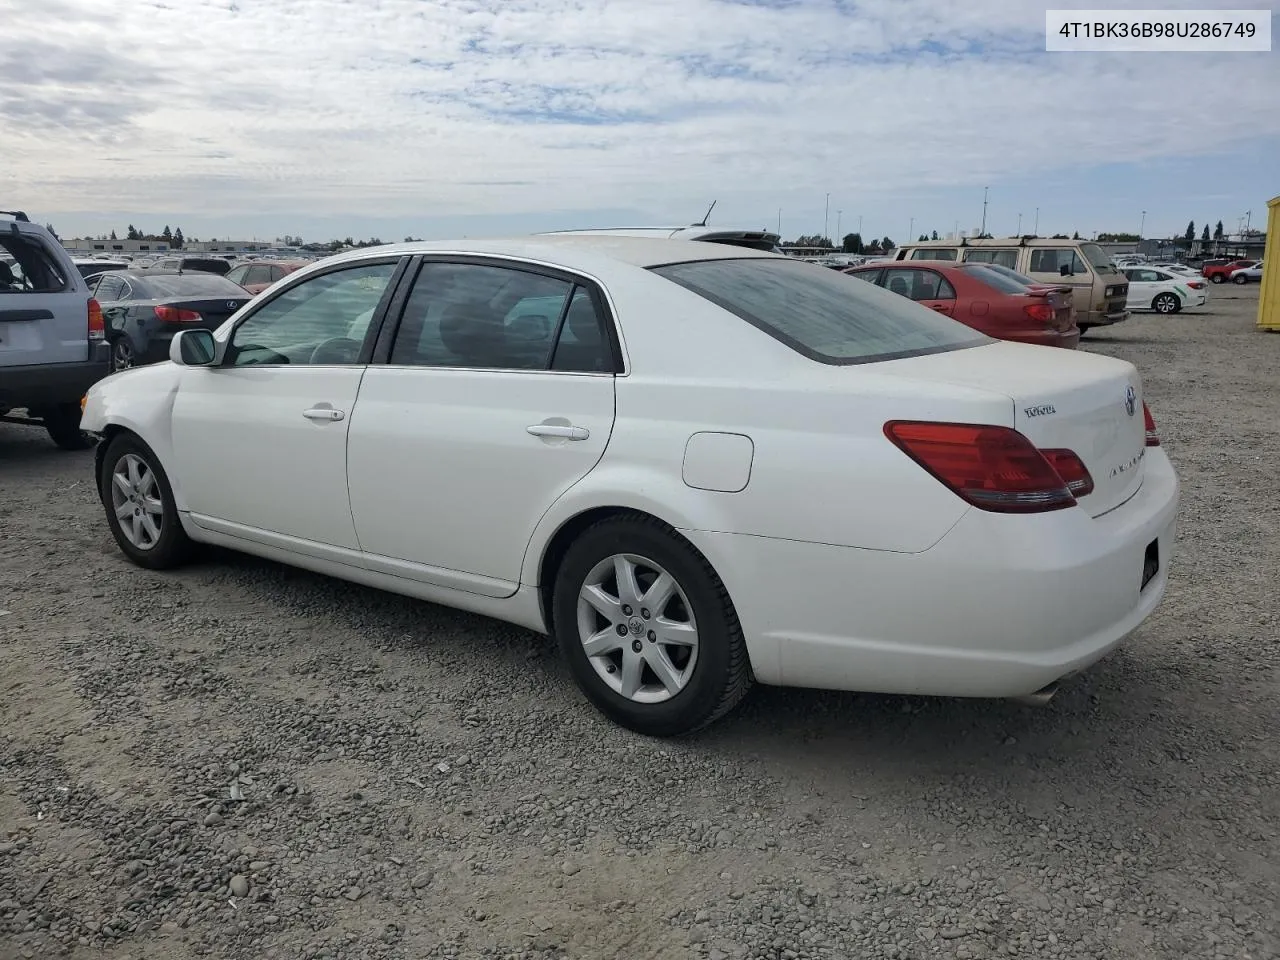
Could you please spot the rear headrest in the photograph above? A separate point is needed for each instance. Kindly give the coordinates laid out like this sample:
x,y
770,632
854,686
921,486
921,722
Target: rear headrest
x,y
471,332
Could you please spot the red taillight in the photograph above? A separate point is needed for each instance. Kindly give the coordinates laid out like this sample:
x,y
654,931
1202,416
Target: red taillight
x,y
993,468
176,315
97,326
1153,438
1195,284
1072,471
1042,312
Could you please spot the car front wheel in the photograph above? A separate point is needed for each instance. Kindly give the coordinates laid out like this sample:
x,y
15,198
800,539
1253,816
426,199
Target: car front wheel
x,y
1166,303
648,629
140,508
1240,278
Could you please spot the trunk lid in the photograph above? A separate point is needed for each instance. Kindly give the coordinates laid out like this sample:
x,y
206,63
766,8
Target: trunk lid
x,y
1062,399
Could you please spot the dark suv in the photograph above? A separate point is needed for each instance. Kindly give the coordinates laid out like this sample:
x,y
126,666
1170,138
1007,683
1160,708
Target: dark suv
x,y
52,338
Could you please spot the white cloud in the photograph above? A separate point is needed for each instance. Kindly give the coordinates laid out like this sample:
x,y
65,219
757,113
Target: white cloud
x,y
480,106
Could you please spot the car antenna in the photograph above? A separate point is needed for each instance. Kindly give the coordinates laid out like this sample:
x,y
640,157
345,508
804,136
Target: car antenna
x,y
707,215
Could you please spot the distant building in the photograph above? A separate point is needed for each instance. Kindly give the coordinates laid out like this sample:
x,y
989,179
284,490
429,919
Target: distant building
x,y
227,246
89,245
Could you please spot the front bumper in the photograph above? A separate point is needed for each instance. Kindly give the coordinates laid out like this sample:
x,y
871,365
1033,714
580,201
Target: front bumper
x,y
45,384
1002,606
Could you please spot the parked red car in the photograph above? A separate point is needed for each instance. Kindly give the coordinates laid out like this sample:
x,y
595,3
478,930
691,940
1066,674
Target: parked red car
x,y
1220,272
979,297
260,274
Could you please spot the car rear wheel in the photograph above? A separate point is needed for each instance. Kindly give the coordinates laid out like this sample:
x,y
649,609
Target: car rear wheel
x,y
140,509
648,629
1166,303
1217,278
63,425
122,354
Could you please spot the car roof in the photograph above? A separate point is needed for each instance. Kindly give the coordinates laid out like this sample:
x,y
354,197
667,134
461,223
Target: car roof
x,y
573,251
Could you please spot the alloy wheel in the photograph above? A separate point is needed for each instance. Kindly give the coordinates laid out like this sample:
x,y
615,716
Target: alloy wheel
x,y
637,628
137,501
121,355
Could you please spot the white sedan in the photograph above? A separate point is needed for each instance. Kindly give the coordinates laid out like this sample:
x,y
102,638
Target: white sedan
x,y
1152,288
696,465
1247,274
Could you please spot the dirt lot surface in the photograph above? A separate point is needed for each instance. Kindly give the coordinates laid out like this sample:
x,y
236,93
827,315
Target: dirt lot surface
x,y
241,760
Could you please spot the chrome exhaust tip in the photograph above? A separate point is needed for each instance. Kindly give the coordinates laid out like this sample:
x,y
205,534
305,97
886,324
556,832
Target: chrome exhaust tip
x,y
1040,697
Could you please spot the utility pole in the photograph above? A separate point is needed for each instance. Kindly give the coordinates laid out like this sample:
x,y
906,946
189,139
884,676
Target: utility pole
x,y
1143,225
983,231
911,231
1248,219
838,213
779,223
1036,228
826,218
1019,225
859,224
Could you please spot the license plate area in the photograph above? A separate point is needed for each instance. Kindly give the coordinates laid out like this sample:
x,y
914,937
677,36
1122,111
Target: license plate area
x,y
1150,563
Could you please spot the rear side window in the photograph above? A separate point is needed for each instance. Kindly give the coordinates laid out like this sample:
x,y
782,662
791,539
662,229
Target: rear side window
x,y
1053,259
1006,258
948,253
192,285
821,314
33,269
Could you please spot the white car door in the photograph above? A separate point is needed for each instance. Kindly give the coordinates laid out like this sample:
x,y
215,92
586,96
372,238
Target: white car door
x,y
1142,288
480,420
260,441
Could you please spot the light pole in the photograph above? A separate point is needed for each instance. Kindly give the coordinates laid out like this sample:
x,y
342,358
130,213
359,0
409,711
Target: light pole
x,y
826,218
983,231
911,230
859,224
1036,229
838,214
1019,225
1143,225
779,223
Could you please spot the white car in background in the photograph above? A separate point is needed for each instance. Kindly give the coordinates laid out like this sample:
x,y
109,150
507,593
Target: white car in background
x,y
1160,290
694,464
1248,274
1180,269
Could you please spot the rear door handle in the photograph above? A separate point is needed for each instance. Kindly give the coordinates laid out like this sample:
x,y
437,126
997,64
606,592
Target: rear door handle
x,y
559,431
326,414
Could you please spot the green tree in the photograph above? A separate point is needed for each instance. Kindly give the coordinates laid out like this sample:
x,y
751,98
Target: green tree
x,y
166,233
922,238
934,235
1191,231
1218,231
178,238
1204,234
113,235
852,243
1076,235
886,244
133,233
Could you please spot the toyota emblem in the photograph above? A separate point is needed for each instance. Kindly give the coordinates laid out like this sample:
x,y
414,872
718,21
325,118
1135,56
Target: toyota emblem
x,y
1130,400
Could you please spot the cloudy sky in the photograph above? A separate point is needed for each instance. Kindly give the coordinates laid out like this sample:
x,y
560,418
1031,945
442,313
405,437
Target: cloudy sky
x,y
465,117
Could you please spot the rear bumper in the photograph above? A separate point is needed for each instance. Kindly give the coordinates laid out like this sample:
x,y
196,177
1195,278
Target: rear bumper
x,y
1106,319
1001,606
1069,339
49,383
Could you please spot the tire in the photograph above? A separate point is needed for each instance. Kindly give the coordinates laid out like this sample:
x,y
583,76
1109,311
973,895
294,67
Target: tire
x,y
710,677
123,356
63,424
1217,278
1240,279
1166,303
172,547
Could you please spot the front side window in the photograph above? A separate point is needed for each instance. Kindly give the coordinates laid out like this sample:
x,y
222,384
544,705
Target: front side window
x,y
238,275
1054,259
489,318
826,316
919,285
258,274
322,320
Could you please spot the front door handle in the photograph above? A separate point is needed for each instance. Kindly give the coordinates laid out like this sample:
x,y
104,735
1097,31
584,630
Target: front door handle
x,y
324,414
559,431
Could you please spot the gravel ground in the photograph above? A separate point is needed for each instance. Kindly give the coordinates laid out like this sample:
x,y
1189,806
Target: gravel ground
x,y
242,760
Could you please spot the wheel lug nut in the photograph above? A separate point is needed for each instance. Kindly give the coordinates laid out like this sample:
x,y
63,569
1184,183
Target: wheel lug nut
x,y
622,629
611,669
636,646
626,609
652,636
644,612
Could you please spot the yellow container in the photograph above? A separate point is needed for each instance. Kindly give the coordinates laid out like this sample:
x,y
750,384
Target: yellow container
x,y
1269,296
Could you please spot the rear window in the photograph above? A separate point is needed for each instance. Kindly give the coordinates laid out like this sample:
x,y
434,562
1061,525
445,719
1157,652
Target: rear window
x,y
995,279
191,285
821,314
28,267
206,265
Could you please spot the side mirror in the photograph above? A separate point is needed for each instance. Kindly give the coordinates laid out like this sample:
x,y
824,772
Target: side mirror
x,y
193,348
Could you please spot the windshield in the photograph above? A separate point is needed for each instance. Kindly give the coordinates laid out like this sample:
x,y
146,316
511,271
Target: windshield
x,y
191,285
1094,254
822,314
